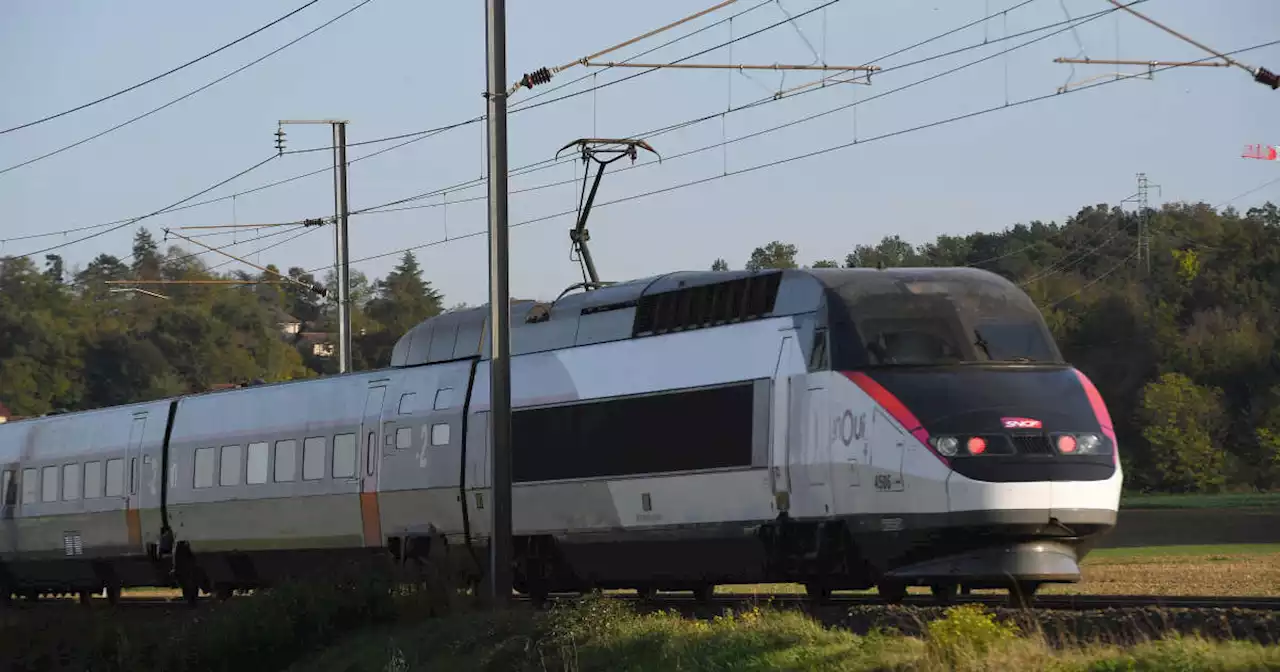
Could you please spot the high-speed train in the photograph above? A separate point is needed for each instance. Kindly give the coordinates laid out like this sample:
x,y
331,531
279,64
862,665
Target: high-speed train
x,y
839,428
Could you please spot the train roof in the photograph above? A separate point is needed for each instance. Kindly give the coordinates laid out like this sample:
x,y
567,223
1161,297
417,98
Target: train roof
x,y
679,301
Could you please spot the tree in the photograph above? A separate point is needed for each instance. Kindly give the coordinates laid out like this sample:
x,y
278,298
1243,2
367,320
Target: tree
x,y
719,265
825,263
146,256
402,300
1184,423
774,255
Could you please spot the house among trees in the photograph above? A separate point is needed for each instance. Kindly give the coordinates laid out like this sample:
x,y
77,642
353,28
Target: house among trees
x,y
4,413
320,343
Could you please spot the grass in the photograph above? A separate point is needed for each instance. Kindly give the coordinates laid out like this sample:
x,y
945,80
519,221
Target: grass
x,y
596,634
1237,500
1231,569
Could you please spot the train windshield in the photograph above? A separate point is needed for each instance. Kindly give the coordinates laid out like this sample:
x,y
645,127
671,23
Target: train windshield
x,y
932,317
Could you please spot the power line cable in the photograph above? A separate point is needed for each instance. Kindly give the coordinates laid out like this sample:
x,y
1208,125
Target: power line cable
x,y
1100,278
1237,197
156,212
159,76
188,94
412,137
797,157
668,129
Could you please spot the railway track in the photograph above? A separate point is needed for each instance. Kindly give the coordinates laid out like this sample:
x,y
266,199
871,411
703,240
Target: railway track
x,y
793,600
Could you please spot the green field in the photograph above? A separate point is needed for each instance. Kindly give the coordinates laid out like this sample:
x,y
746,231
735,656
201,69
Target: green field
x,y
1220,501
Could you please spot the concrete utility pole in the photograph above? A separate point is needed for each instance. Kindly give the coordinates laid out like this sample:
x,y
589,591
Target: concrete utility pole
x,y
342,266
499,308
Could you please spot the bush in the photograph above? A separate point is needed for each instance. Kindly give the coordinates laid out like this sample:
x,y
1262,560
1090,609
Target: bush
x,y
966,635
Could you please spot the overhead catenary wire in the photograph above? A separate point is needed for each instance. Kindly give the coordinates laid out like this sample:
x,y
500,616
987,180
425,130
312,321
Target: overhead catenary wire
x,y
186,95
783,161
155,212
543,75
417,136
160,76
548,163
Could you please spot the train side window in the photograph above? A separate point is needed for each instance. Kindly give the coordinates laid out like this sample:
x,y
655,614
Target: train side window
x,y
229,470
30,486
49,484
115,477
407,402
133,475
71,481
818,355
404,438
92,480
313,458
206,462
6,488
344,456
444,399
257,471
286,460
440,434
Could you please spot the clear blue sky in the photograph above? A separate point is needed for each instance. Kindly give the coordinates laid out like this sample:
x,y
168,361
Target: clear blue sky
x,y
396,66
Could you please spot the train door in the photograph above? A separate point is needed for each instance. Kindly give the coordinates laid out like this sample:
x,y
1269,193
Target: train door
x,y
371,451
780,442
888,445
477,474
132,465
811,463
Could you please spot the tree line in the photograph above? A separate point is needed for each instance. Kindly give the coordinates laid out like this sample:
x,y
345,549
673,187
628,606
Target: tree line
x,y
1183,353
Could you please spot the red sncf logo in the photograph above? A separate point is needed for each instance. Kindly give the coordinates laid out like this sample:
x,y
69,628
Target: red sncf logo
x,y
1021,423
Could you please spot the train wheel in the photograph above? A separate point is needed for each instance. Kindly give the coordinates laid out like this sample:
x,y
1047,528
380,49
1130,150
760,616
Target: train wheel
x,y
704,592
944,593
892,592
1022,595
113,594
647,593
818,592
86,597
223,592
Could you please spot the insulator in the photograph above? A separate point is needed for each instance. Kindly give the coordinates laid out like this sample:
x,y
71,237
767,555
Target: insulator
x,y
1267,78
532,79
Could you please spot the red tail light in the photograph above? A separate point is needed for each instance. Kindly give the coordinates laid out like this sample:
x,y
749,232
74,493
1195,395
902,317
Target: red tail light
x,y
1066,443
977,445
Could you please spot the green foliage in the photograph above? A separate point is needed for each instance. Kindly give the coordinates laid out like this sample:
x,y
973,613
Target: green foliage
x,y
966,635
267,631
1183,425
589,636
774,255
69,342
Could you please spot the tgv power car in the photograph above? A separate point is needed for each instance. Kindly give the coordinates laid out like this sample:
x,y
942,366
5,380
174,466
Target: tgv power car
x,y
841,428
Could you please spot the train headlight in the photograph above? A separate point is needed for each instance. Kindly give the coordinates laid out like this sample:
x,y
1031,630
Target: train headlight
x,y
947,446
1089,444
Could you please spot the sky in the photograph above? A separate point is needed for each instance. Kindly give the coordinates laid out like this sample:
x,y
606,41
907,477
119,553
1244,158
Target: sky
x,y
398,66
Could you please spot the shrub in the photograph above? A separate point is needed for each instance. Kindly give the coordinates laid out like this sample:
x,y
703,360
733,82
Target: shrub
x,y
966,635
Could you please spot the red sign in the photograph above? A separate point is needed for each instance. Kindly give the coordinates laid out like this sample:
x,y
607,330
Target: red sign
x,y
1021,423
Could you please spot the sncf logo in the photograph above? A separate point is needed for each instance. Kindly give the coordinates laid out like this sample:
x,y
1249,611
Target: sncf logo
x,y
1021,423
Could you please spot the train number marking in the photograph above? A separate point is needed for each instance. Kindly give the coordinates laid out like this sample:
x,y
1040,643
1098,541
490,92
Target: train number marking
x,y
849,428
884,482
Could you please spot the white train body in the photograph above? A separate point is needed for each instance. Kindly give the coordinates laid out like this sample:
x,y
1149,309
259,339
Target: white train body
x,y
672,432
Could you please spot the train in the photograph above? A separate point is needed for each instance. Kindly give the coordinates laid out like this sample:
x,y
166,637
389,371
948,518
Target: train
x,y
844,429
